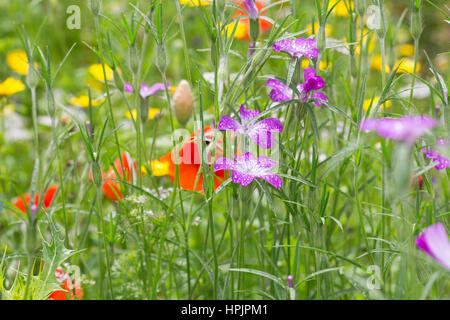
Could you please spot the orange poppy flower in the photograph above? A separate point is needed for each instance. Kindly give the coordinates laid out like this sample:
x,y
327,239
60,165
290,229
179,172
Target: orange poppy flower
x,y
71,291
190,163
244,24
48,199
111,188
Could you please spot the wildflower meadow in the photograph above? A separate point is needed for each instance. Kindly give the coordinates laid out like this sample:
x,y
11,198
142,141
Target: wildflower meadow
x,y
224,150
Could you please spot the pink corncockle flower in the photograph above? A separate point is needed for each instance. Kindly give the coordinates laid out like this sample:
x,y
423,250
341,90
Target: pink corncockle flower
x,y
442,161
297,48
147,91
246,168
313,82
406,129
251,9
128,87
434,241
260,131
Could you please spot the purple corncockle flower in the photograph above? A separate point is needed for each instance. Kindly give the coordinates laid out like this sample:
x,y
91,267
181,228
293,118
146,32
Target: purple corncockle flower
x,y
251,9
297,48
281,92
434,241
147,91
406,129
128,87
442,161
246,168
260,131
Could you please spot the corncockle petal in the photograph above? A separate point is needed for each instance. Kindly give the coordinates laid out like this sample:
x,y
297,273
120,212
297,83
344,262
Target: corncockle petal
x,y
246,168
434,241
280,91
266,162
228,123
264,139
147,91
224,164
247,115
269,124
309,73
273,179
297,48
128,87
319,95
442,161
406,129
243,179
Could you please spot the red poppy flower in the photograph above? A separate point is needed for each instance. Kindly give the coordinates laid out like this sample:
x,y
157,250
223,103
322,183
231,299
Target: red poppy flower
x,y
264,25
22,205
111,188
71,291
190,163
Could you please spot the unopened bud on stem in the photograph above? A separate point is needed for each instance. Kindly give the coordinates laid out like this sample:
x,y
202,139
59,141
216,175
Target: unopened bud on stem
x,y
183,102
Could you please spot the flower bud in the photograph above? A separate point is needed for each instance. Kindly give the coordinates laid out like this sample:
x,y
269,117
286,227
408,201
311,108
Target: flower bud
x,y
161,60
416,27
118,80
183,102
133,59
97,174
144,109
32,78
95,7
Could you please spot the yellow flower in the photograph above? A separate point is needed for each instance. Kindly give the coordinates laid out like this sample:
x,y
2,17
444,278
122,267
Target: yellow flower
x,y
160,168
322,65
407,65
6,110
241,30
405,50
11,86
196,3
96,70
368,102
328,29
17,60
152,113
83,101
341,8
377,63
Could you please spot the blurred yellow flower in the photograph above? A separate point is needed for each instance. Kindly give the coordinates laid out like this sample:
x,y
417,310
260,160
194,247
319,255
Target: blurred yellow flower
x,y
152,113
406,65
160,168
241,30
368,102
83,101
405,50
377,63
96,70
328,29
341,8
11,86
17,60
196,3
322,65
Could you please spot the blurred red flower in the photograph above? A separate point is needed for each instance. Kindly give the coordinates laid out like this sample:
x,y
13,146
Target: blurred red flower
x,y
22,205
71,291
